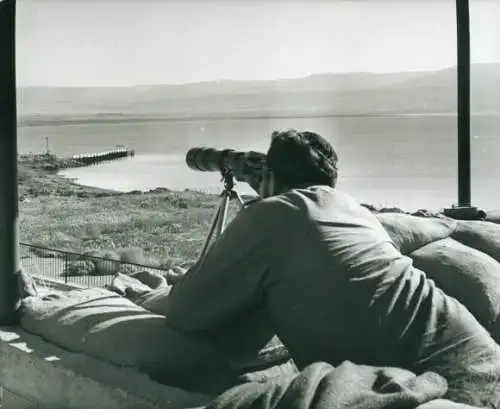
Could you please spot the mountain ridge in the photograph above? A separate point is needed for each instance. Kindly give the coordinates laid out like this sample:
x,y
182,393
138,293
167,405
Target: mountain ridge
x,y
318,94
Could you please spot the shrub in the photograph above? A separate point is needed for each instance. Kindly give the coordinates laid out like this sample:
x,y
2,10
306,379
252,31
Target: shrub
x,y
79,268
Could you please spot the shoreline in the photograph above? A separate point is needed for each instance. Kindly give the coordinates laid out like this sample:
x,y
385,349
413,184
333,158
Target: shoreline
x,y
44,169
115,118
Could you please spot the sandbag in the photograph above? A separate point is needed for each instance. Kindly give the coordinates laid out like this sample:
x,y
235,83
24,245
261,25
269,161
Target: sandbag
x,y
493,216
409,233
444,404
138,289
248,344
482,236
321,386
128,287
470,276
106,326
151,279
25,284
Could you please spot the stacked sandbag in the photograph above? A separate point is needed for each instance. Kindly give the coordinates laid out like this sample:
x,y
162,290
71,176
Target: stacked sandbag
x,y
461,257
467,274
410,233
493,216
105,325
479,235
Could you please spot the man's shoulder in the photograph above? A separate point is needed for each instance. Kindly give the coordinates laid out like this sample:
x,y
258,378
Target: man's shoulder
x,y
318,196
297,201
274,210
278,203
273,215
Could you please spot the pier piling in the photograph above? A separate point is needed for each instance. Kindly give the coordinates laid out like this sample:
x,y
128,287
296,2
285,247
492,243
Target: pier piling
x,y
97,157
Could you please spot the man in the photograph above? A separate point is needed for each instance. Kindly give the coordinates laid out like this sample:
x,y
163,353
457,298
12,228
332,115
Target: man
x,y
332,282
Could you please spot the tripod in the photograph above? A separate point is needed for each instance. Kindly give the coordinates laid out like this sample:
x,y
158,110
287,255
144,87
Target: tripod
x,y
220,218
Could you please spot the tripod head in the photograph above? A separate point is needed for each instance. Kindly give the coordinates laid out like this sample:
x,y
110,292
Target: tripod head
x,y
227,179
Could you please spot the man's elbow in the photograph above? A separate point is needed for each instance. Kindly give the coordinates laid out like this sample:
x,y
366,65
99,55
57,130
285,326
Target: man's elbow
x,y
181,325
181,316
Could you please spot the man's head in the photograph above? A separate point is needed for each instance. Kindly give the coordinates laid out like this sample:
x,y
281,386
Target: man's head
x,y
298,159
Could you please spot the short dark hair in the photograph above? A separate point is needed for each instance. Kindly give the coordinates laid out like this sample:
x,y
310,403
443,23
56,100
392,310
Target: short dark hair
x,y
302,158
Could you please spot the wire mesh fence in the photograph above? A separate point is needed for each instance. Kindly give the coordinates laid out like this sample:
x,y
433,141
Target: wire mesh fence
x,y
75,268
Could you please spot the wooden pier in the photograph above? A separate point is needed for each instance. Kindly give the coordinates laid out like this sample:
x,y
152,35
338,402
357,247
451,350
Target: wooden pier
x,y
117,153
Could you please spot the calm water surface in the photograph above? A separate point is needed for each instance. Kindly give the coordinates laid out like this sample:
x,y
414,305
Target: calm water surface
x,y
403,161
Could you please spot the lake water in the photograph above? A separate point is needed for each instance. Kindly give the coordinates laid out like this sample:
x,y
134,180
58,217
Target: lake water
x,y
397,161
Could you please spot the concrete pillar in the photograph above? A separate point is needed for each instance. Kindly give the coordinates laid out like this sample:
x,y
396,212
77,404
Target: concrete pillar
x,y
9,246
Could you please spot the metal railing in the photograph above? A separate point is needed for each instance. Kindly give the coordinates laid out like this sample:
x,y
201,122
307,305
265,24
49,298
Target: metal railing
x,y
75,268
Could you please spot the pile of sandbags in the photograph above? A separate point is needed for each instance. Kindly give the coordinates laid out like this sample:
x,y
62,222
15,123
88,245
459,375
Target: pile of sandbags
x,y
461,257
107,326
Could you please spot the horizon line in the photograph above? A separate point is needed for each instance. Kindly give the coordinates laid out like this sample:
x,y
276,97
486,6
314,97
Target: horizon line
x,y
251,80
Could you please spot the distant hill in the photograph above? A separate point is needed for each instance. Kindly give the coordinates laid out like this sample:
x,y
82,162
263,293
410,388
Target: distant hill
x,y
324,94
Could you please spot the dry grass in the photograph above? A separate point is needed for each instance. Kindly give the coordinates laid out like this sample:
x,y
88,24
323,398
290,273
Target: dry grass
x,y
170,227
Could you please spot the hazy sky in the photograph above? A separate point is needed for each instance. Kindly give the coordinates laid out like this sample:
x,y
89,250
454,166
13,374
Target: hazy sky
x,y
129,42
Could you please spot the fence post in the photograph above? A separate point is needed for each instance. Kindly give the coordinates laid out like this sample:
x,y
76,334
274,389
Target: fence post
x,y
66,269
9,246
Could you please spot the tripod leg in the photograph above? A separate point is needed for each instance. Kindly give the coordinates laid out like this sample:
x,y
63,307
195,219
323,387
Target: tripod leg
x,y
213,228
236,195
223,216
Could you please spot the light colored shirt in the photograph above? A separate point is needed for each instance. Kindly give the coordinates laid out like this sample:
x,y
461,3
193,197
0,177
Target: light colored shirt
x,y
335,288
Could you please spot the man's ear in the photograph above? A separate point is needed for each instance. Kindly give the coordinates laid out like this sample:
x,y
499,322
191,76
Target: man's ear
x,y
271,184
266,183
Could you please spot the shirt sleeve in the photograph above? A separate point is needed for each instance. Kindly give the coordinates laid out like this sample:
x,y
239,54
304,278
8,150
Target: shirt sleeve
x,y
226,282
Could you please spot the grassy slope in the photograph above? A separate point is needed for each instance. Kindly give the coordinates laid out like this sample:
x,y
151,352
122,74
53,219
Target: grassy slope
x,y
170,227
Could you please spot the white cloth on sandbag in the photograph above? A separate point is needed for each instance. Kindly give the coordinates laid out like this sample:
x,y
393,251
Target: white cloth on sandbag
x,y
128,287
151,279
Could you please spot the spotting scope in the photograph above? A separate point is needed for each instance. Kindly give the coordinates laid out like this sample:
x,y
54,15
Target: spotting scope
x,y
244,166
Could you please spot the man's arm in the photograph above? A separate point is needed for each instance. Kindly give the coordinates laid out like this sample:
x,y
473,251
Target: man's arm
x,y
225,283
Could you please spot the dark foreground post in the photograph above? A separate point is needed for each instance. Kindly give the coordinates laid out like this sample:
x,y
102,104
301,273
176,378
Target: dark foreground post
x,y
463,87
464,210
9,250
